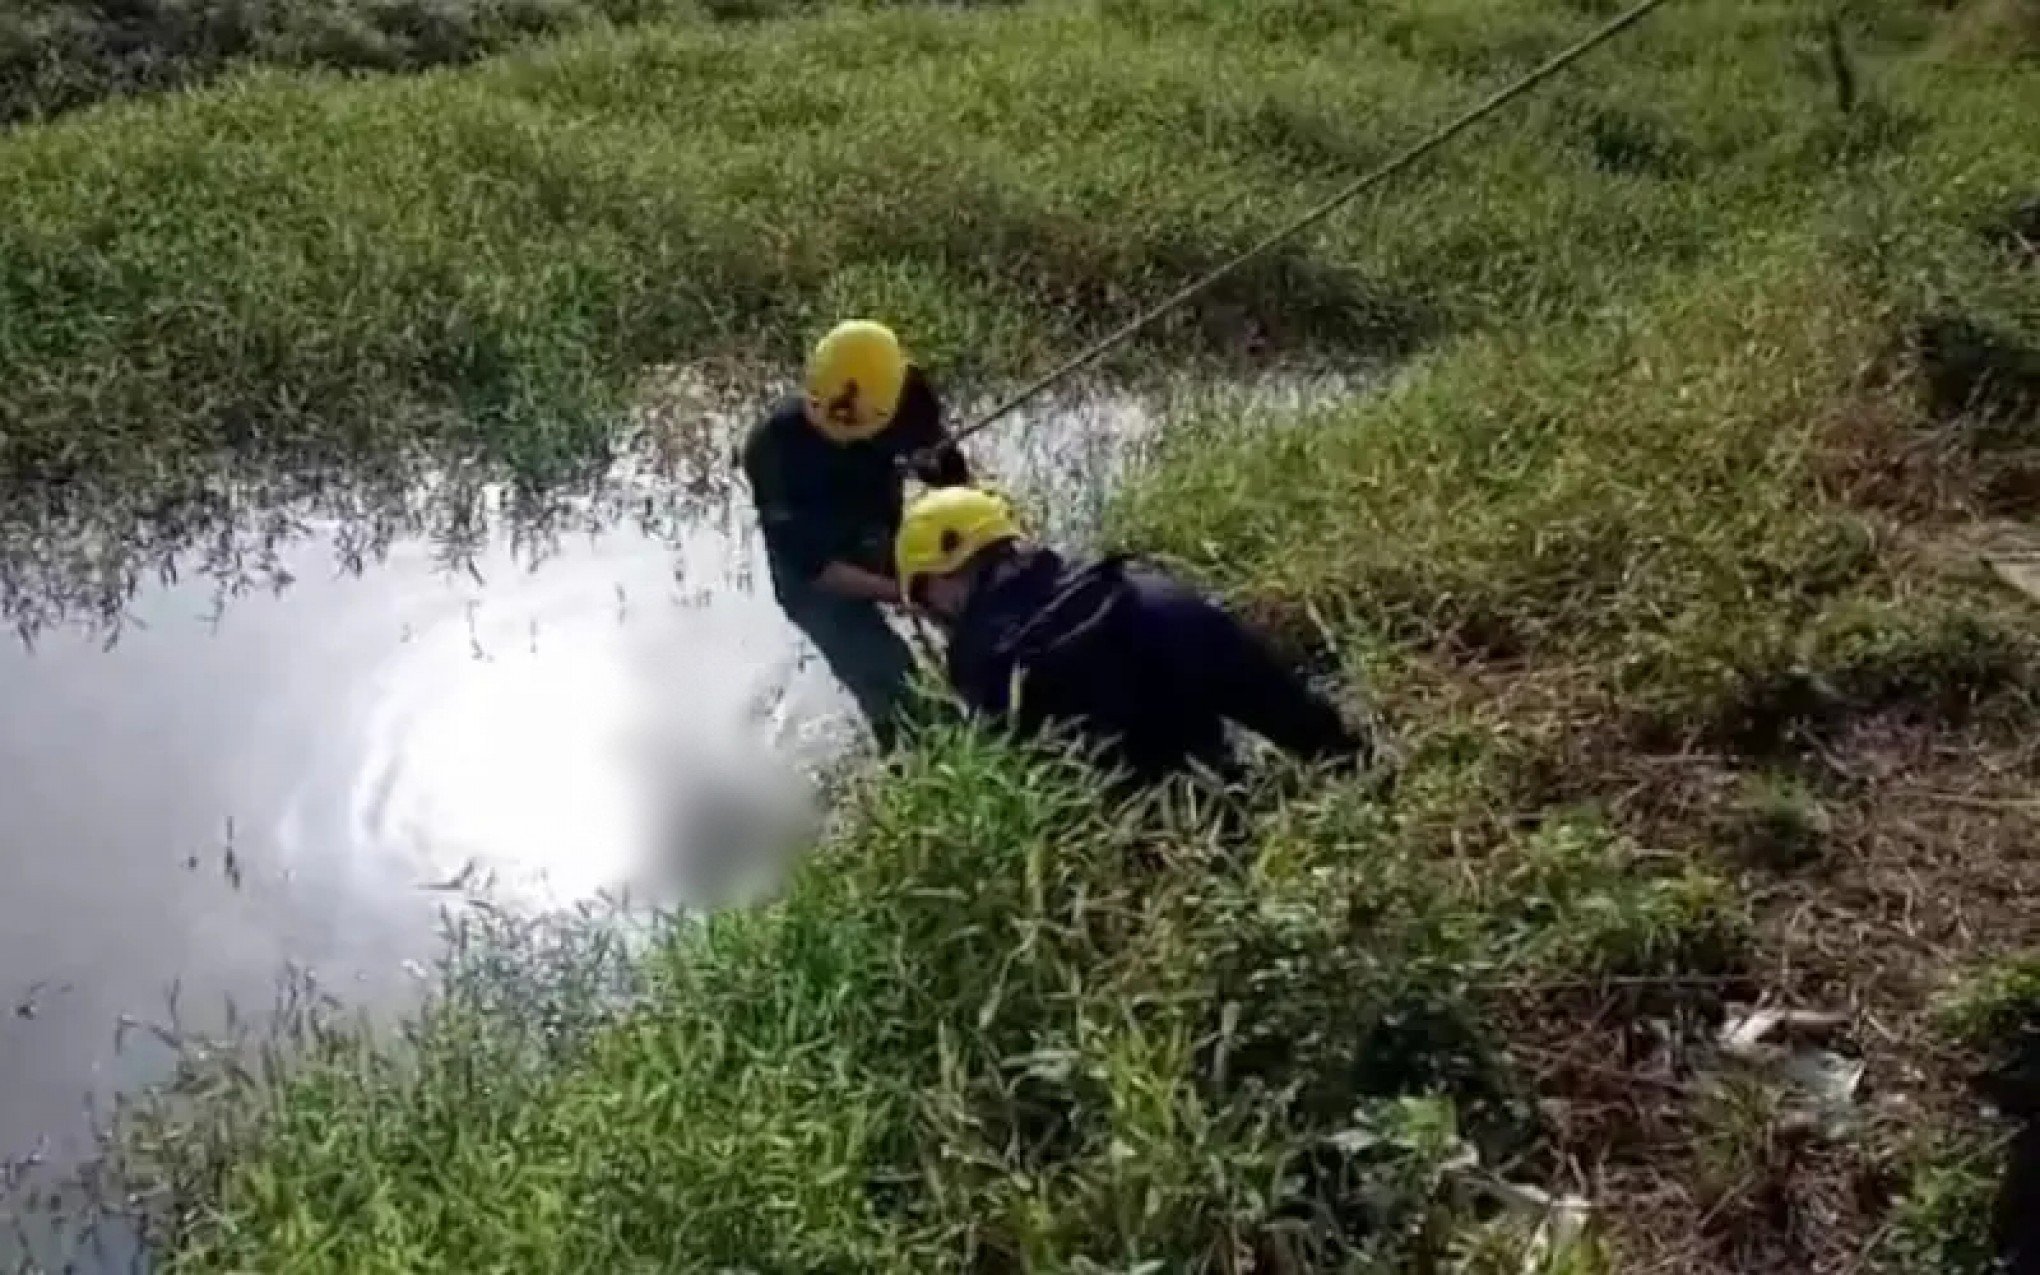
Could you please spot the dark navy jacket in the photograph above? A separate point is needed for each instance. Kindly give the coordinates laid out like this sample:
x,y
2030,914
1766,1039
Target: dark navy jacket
x,y
1137,664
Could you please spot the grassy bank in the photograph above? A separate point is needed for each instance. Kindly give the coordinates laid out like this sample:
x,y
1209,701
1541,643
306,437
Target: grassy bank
x,y
58,56
1658,560
291,282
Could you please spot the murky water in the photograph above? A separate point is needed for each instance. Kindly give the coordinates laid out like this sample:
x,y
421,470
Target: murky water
x,y
308,775
304,777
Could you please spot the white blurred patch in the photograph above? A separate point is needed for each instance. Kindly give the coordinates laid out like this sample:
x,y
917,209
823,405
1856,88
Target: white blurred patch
x,y
730,770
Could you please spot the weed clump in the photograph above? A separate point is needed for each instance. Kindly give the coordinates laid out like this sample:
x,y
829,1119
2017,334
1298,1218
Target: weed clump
x,y
1776,822
1992,1008
1942,1221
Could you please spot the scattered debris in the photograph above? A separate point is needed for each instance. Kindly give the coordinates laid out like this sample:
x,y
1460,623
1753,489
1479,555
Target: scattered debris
x,y
476,650
169,1038
30,1003
1831,1079
230,862
1561,1223
1744,1038
2020,571
459,881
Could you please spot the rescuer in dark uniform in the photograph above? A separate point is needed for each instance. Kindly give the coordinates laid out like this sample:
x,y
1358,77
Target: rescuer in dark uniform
x,y
826,471
1139,665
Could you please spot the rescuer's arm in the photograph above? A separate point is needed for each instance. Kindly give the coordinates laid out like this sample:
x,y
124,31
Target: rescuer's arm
x,y
924,437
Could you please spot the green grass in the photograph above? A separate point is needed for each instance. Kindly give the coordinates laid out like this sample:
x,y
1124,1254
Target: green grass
x,y
1993,1010
293,278
1644,497
59,55
1660,488
997,1023
1941,1223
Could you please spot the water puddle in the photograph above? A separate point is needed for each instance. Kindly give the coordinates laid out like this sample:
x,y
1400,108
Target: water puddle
x,y
308,773
305,777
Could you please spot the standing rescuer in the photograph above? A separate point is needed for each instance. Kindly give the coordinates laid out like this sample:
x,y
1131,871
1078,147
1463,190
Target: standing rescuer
x,y
826,471
1142,667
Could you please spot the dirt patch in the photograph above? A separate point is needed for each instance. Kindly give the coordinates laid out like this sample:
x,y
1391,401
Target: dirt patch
x,y
1934,866
1927,869
1880,858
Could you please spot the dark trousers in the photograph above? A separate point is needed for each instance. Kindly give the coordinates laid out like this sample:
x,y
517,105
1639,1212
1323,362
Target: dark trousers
x,y
863,652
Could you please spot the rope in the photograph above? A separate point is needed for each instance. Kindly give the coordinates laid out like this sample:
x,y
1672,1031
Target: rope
x,y
1407,159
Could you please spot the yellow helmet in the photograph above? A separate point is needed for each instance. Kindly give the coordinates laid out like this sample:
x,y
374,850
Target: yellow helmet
x,y
947,527
854,379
